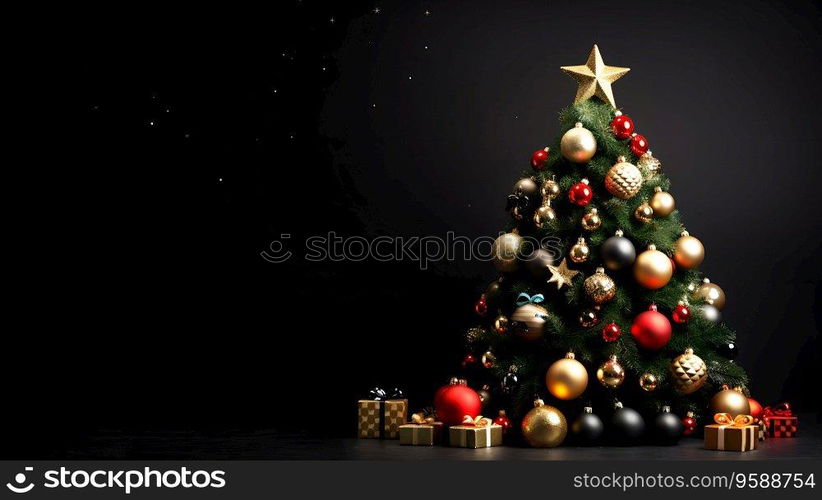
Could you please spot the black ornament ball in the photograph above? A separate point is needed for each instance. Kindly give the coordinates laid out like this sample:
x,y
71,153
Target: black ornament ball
x,y
537,262
493,291
587,428
667,428
617,252
729,350
627,426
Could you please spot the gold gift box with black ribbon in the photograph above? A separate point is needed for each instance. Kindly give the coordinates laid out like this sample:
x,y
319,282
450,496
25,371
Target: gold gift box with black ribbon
x,y
381,419
475,433
421,434
732,434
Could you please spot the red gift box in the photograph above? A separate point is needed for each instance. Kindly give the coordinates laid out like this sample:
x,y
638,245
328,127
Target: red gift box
x,y
780,421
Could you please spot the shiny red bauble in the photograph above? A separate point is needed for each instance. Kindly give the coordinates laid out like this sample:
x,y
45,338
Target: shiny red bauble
x,y
469,360
688,425
481,307
651,329
638,144
503,420
756,408
622,126
580,194
453,402
539,160
611,332
681,314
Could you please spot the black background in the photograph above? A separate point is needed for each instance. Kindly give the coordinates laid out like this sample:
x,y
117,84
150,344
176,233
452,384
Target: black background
x,y
155,309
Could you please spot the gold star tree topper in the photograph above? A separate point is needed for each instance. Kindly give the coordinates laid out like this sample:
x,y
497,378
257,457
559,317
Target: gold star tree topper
x,y
561,275
595,78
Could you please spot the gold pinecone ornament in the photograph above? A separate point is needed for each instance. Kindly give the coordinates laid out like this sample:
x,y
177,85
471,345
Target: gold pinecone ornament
x,y
688,372
624,180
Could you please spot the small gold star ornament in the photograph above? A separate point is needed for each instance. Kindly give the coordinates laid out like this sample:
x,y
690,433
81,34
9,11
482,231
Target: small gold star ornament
x,y
595,78
561,275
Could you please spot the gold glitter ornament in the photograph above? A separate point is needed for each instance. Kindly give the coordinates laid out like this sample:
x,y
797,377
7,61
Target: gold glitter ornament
x,y
610,373
591,221
662,202
649,164
578,144
595,78
599,287
544,426
648,382
624,180
644,213
561,275
579,252
688,372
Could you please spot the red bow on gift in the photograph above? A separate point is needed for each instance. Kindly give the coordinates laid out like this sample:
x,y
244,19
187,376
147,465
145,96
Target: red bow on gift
x,y
781,410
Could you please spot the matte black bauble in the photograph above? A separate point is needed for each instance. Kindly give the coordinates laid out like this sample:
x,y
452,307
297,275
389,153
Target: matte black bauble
x,y
617,252
667,428
537,262
627,426
587,428
492,292
729,350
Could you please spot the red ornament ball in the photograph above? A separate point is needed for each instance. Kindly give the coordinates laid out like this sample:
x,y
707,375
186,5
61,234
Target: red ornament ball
x,y
481,307
503,420
639,145
456,400
469,360
539,160
756,408
580,194
688,424
651,329
622,126
681,314
611,332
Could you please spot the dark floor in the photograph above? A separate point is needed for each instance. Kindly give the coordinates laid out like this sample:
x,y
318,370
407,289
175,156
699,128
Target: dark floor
x,y
271,445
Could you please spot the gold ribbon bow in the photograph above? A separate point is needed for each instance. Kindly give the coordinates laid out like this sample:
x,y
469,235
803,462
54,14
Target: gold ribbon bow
x,y
421,418
479,421
738,421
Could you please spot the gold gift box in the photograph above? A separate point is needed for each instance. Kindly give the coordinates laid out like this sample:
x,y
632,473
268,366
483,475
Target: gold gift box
x,y
381,419
421,434
471,436
731,437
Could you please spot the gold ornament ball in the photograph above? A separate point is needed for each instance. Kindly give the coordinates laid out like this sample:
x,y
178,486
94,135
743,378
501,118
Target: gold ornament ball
x,y
688,251
591,221
599,287
544,214
610,373
644,213
648,382
662,203
579,252
501,324
624,180
711,293
488,359
567,378
730,401
550,189
528,321
652,268
544,426
688,372
505,250
578,144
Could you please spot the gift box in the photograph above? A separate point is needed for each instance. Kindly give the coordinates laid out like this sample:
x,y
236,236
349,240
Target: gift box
x,y
731,434
421,434
381,418
780,422
480,433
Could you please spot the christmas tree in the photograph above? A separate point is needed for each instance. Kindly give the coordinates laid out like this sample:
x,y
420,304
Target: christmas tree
x,y
600,299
